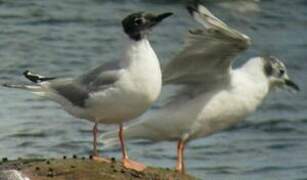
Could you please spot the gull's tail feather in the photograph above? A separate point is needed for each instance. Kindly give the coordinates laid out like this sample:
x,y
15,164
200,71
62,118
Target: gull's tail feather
x,y
36,89
23,86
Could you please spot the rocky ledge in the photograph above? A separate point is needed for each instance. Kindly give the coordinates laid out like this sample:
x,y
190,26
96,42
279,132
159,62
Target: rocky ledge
x,y
79,169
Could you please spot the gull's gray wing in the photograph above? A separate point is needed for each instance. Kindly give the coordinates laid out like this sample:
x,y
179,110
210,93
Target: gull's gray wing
x,y
77,91
70,89
101,77
208,53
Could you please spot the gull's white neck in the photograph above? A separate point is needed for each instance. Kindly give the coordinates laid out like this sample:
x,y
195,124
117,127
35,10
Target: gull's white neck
x,y
138,52
140,58
255,68
142,63
251,82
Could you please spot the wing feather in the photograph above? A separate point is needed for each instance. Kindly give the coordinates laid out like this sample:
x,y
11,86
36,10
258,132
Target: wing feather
x,y
208,52
77,91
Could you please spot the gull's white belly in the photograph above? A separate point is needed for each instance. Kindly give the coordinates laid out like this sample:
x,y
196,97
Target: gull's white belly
x,y
118,106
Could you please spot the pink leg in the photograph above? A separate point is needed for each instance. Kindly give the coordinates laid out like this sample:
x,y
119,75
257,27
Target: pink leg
x,y
127,163
95,134
95,152
180,157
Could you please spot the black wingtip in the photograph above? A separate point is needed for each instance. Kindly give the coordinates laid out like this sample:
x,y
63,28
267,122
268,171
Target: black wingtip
x,y
192,6
30,76
5,85
36,78
26,72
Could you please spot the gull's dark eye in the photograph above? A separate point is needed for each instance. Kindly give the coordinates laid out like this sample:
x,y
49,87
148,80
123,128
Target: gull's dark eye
x,y
281,72
138,21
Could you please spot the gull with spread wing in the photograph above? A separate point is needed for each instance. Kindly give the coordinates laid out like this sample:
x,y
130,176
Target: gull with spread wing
x,y
114,92
213,95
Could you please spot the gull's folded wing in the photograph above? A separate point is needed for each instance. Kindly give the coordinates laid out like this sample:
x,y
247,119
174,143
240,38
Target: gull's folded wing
x,y
101,77
77,91
208,52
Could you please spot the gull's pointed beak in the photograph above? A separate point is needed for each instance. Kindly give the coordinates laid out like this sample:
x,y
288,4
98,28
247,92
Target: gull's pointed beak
x,y
160,17
292,84
156,19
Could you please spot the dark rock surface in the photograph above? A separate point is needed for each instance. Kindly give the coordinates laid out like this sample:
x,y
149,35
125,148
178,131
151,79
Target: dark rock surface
x,y
80,169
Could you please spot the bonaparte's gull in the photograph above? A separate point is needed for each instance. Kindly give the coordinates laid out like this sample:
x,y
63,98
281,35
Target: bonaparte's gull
x,y
213,95
114,92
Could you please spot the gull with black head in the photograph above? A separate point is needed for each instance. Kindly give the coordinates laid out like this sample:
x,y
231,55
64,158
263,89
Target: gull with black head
x,y
211,94
115,92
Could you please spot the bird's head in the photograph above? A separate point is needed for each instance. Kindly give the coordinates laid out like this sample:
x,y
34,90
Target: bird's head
x,y
276,72
137,25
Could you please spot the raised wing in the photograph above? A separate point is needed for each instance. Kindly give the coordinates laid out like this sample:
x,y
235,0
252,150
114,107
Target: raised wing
x,y
208,52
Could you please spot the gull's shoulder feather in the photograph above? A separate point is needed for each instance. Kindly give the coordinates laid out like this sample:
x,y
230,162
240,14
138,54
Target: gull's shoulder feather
x,y
102,75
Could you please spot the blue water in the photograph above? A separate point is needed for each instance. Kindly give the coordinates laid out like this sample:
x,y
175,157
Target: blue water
x,y
68,37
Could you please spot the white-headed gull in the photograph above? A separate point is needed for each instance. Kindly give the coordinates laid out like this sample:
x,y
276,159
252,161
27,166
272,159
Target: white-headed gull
x,y
213,95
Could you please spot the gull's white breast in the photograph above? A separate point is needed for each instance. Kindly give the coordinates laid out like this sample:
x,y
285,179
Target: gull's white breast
x,y
226,107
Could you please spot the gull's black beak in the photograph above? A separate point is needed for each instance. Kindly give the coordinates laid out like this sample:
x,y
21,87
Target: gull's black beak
x,y
160,17
292,85
156,19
